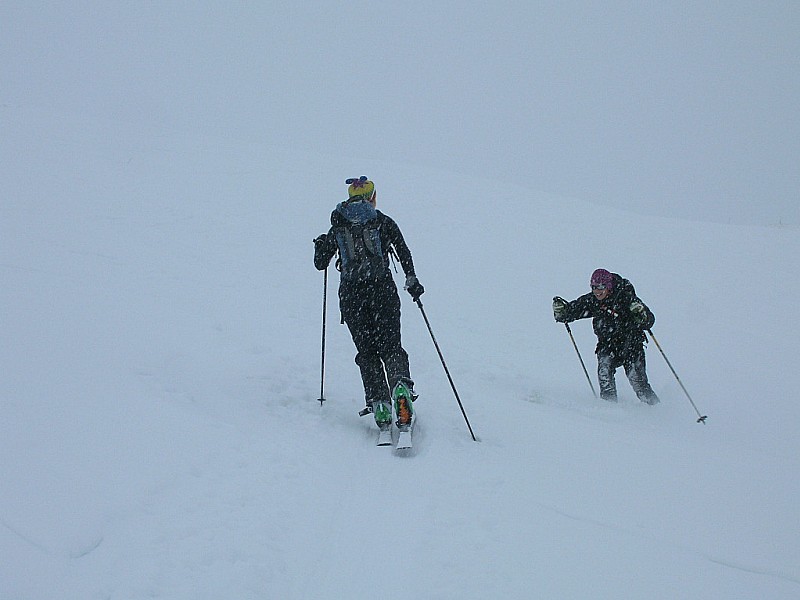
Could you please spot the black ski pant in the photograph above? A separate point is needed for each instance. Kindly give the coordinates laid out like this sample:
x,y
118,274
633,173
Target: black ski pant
x,y
372,314
635,367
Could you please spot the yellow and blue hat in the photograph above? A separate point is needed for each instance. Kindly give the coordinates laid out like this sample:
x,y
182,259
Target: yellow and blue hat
x,y
360,188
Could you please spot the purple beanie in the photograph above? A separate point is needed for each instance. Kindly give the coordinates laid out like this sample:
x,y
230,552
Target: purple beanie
x,y
602,277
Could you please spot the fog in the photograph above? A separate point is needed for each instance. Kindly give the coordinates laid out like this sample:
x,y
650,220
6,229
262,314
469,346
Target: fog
x,y
673,109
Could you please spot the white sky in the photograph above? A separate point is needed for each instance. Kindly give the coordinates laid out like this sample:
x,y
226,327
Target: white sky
x,y
678,108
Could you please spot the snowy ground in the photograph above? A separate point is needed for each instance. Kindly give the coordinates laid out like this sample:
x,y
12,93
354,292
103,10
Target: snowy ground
x,y
160,432
164,167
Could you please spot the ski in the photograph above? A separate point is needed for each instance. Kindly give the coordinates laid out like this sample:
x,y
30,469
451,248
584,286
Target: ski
x,y
404,441
403,403
384,428
383,419
385,437
403,397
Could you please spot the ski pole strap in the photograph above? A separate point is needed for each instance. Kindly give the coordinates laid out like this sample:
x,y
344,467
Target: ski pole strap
x,y
393,256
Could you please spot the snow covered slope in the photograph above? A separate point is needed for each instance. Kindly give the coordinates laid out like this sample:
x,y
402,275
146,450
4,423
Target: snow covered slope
x,y
160,432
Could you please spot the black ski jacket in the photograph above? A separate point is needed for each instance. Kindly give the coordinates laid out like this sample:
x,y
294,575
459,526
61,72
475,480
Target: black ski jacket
x,y
612,320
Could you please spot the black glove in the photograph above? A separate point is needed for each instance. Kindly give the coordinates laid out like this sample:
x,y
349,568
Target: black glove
x,y
414,287
560,309
322,252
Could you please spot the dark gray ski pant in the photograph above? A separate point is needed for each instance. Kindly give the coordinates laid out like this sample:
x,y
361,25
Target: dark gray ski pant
x,y
635,369
372,314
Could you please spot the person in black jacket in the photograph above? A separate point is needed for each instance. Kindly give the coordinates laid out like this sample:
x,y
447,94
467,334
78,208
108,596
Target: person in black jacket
x,y
619,319
364,237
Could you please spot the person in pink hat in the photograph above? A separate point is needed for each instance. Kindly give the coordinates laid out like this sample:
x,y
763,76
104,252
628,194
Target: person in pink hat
x,y
619,319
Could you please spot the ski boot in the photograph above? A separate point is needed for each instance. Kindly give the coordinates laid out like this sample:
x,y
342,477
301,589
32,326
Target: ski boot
x,y
403,397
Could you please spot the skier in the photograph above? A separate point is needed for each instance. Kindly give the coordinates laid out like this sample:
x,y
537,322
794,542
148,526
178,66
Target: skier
x,y
368,299
619,319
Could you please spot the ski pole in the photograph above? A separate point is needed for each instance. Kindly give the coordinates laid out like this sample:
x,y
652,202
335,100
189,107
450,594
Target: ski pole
x,y
580,358
700,418
446,370
321,398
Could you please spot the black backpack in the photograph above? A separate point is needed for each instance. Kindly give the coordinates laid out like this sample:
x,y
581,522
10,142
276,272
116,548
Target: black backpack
x,y
357,231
